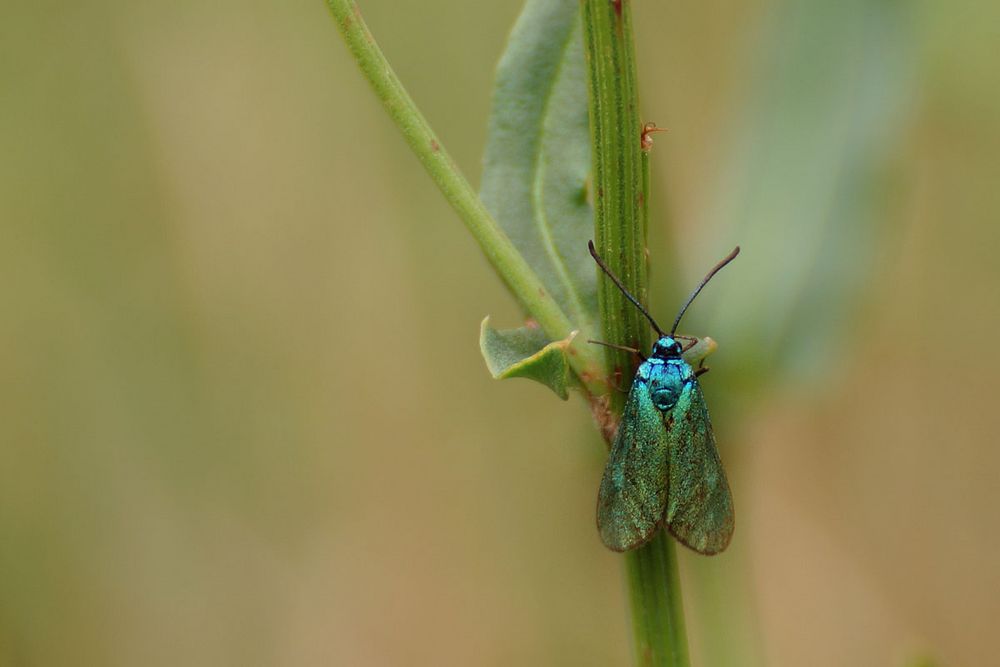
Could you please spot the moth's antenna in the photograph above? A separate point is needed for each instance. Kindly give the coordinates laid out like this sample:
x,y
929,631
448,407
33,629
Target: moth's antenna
x,y
715,269
618,283
624,348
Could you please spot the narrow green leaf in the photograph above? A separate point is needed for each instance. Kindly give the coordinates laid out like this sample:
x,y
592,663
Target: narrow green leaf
x,y
520,277
537,159
801,191
526,353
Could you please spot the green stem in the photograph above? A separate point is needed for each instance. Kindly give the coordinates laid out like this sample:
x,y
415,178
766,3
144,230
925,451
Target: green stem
x,y
619,200
508,262
657,609
620,177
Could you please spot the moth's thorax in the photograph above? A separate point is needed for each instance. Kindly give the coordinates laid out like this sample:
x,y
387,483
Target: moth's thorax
x,y
666,379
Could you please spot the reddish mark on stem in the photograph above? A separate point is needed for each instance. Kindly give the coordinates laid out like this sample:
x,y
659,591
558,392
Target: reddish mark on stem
x,y
435,146
617,4
361,23
646,138
600,407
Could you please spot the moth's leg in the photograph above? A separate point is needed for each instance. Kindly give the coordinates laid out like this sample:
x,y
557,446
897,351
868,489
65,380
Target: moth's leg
x,y
687,346
701,370
617,383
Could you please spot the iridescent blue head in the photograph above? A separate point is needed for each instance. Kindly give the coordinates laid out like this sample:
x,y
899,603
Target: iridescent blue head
x,y
666,347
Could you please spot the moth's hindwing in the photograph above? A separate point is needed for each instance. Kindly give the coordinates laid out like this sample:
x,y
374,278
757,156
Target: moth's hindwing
x,y
699,509
633,495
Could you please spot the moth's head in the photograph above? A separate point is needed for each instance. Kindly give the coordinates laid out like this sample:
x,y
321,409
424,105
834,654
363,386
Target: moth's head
x,y
666,348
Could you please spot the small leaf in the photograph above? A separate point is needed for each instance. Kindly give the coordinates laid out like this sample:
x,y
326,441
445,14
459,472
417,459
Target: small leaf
x,y
537,159
527,353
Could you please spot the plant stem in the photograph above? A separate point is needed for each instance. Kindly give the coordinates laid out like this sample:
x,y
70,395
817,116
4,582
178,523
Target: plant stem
x,y
620,179
508,262
657,609
619,200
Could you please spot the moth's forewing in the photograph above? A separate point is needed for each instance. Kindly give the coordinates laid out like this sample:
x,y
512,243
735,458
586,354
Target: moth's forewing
x,y
700,506
633,495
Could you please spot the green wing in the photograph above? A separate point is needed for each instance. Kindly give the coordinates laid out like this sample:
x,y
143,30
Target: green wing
x,y
633,493
700,506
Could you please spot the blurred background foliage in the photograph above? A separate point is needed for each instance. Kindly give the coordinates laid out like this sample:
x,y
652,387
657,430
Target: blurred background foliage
x,y
244,419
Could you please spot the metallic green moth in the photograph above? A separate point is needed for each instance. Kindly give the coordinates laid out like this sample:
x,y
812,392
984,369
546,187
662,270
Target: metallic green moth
x,y
664,468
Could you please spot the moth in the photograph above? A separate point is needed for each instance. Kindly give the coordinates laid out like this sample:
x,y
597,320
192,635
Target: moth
x,y
664,468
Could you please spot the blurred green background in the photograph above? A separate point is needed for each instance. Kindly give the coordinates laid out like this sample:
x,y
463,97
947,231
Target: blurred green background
x,y
244,420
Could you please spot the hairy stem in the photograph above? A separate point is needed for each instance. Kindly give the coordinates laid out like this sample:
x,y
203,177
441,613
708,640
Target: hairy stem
x,y
620,182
